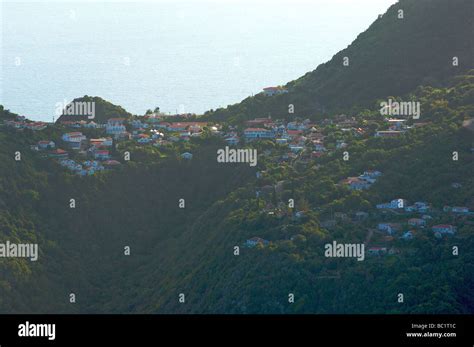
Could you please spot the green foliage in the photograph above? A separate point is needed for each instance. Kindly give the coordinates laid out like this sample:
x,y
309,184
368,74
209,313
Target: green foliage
x,y
103,111
191,250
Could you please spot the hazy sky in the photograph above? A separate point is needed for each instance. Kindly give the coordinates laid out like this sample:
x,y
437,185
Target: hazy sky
x,y
272,2
190,55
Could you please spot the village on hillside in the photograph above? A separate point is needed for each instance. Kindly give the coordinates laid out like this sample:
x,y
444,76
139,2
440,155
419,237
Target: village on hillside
x,y
299,141
304,140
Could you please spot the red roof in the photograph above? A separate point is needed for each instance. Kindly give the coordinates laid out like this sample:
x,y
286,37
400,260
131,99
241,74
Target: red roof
x,y
294,132
350,180
187,124
59,151
111,162
259,121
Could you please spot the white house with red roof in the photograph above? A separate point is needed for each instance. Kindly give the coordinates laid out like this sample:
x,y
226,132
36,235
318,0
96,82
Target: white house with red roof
x,y
101,142
355,183
74,139
270,91
58,154
46,144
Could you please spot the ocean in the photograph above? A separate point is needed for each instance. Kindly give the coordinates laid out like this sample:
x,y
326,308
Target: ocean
x,y
182,56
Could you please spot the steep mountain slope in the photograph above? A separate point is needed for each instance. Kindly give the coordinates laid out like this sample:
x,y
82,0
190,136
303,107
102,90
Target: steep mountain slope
x,y
397,53
81,250
103,110
418,167
191,250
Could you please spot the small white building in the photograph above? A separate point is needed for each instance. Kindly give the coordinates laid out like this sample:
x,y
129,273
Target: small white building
x,y
270,91
187,156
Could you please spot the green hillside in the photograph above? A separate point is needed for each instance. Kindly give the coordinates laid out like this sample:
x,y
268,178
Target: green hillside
x,y
103,111
192,250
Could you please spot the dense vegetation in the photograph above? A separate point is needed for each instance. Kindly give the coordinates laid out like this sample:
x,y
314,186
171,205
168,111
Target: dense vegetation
x,y
191,250
82,249
418,167
103,110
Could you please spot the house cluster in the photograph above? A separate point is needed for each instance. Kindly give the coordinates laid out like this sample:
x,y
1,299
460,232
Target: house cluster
x,y
404,229
266,128
145,130
344,123
397,127
96,149
304,139
363,181
86,168
412,224
457,209
20,122
422,208
43,145
74,140
82,124
167,132
297,137
396,204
